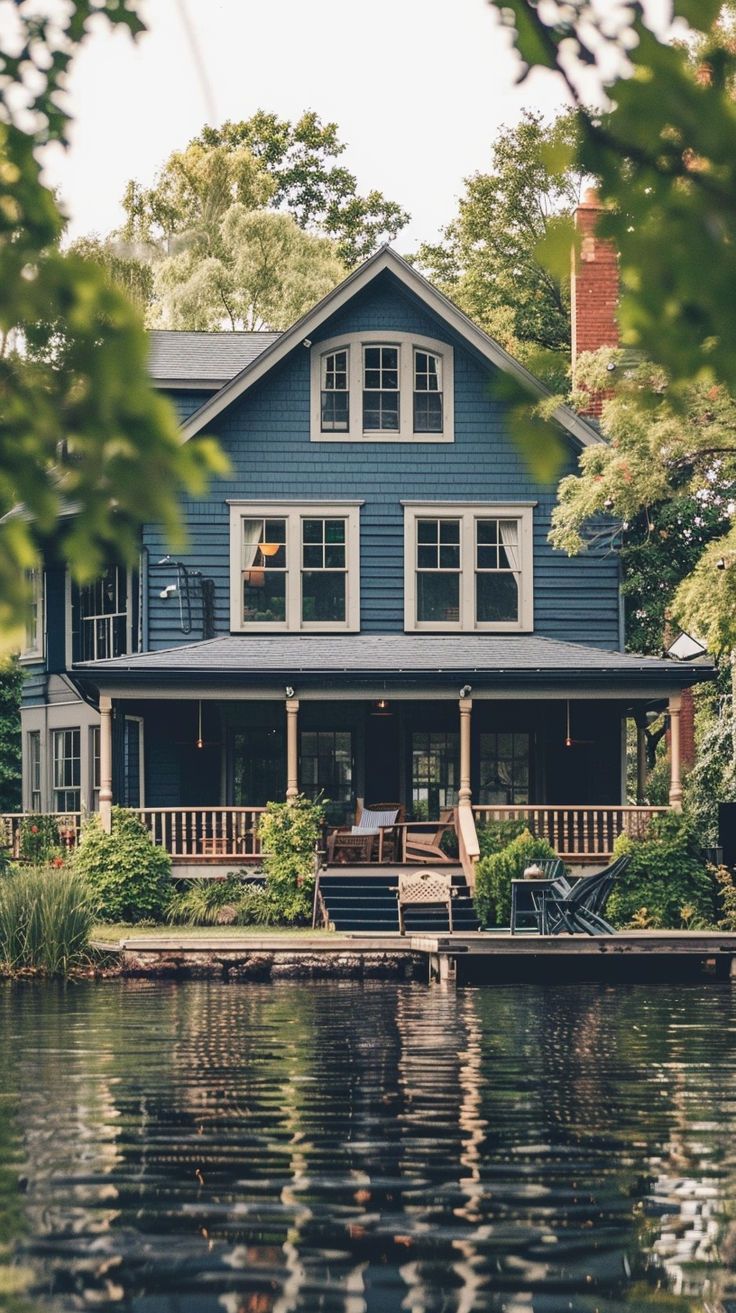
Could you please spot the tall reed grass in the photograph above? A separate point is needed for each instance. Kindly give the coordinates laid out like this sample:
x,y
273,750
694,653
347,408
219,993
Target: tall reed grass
x,y
46,917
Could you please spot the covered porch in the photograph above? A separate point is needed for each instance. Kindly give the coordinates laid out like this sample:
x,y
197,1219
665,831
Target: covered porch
x,y
490,728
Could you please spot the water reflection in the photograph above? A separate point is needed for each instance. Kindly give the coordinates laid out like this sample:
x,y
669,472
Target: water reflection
x,y
263,1149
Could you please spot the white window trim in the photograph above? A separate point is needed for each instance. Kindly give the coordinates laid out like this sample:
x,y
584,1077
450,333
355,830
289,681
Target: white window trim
x,y
406,342
468,514
294,513
37,651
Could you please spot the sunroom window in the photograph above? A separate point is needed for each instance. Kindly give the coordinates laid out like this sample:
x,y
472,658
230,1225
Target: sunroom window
x,y
468,567
427,392
381,389
335,392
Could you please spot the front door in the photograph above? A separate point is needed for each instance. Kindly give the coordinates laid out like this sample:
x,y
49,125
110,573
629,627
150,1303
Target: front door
x,y
382,757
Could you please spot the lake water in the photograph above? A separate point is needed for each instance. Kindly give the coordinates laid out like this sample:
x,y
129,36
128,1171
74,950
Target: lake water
x,y
211,1148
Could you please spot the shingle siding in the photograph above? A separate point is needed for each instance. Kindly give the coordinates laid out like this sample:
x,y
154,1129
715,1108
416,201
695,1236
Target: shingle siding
x,y
266,434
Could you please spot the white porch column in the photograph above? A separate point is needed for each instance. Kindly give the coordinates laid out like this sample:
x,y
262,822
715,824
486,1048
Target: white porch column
x,y
292,749
106,763
675,707
464,792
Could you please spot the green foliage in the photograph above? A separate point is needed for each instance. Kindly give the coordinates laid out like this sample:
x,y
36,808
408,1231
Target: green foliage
x,y
289,833
493,836
80,423
39,839
128,877
11,687
233,901
260,161
666,885
46,916
488,258
496,871
726,896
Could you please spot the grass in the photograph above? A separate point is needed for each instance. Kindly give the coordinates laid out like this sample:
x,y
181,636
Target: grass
x,y
45,921
107,933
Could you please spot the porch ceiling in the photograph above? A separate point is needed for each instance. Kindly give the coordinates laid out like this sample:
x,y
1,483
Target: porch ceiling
x,y
487,659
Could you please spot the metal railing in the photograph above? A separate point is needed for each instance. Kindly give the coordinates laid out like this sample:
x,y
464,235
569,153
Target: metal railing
x,y
575,833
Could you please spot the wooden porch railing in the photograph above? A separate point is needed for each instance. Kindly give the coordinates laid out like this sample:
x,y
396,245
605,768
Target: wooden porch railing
x,y
205,834
467,842
576,833
14,825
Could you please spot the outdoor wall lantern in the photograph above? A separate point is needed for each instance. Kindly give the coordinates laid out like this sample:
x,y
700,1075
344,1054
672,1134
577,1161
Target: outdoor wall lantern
x,y
381,708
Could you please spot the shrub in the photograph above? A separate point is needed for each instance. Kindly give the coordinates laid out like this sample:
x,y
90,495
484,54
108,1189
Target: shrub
x,y
233,901
726,895
39,839
496,871
667,885
495,835
127,875
46,915
289,833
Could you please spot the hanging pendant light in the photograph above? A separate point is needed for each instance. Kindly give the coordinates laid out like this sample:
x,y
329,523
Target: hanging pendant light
x,y
200,740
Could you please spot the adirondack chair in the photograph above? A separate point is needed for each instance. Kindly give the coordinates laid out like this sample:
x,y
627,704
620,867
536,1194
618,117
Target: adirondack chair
x,y
422,840
365,840
579,911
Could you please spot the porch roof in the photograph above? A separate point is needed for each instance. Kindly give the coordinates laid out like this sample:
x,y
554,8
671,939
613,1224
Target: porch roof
x,y
489,658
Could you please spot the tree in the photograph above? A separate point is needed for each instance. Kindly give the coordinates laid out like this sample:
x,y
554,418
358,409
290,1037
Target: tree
x,y
80,427
667,475
11,684
488,258
662,150
263,161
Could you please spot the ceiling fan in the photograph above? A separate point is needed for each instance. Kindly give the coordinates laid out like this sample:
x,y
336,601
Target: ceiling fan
x,y
570,742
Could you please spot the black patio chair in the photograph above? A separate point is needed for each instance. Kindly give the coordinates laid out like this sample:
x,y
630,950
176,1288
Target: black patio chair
x,y
580,911
527,895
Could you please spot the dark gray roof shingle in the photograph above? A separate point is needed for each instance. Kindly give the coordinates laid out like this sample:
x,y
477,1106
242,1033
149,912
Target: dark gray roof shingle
x,y
499,655
203,357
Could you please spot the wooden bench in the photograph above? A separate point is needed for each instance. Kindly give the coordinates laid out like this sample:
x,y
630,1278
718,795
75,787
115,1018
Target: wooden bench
x,y
420,888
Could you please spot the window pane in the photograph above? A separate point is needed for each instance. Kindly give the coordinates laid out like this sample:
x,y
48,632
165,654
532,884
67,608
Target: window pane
x,y
334,531
504,768
487,531
427,558
312,531
335,412
449,531
497,597
323,596
264,596
381,411
449,558
427,412
334,557
438,597
312,557
427,531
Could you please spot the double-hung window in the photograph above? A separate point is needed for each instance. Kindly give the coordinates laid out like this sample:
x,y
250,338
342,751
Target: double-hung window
x,y
468,567
294,568
33,644
66,779
35,796
101,616
382,387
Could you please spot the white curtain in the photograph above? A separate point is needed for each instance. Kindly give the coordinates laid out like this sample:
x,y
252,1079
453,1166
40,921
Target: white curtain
x,y
251,539
510,539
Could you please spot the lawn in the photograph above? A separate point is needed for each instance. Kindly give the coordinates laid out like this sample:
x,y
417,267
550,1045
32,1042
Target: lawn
x,y
105,932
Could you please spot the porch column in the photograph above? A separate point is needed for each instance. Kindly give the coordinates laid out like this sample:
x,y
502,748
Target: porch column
x,y
292,749
641,762
106,763
675,707
464,792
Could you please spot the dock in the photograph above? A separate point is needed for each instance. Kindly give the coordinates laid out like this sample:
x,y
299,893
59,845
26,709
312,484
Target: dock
x,y
445,958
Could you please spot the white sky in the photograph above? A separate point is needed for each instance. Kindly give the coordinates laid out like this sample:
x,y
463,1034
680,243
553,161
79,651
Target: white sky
x,y
417,87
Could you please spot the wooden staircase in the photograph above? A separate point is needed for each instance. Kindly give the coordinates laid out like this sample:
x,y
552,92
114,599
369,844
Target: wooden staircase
x,y
363,898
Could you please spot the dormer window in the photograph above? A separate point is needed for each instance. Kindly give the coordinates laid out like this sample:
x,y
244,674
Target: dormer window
x,y
378,387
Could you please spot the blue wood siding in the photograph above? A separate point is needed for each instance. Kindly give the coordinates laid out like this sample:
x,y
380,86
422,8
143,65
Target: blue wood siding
x,y
266,435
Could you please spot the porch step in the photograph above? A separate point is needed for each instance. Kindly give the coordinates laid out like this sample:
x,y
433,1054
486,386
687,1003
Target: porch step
x,y
361,899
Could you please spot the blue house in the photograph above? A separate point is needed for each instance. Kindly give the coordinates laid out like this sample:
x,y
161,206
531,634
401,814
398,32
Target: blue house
x,y
368,607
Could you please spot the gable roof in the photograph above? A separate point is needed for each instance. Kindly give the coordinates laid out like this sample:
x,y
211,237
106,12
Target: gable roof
x,y
202,360
436,301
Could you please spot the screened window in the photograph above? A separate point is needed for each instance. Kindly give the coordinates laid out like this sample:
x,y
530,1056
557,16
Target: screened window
x,y
438,571
497,570
100,616
427,392
504,768
263,571
381,389
335,392
324,570
66,777
434,772
34,770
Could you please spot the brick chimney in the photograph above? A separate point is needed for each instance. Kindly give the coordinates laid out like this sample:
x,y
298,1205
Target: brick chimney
x,y
594,291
